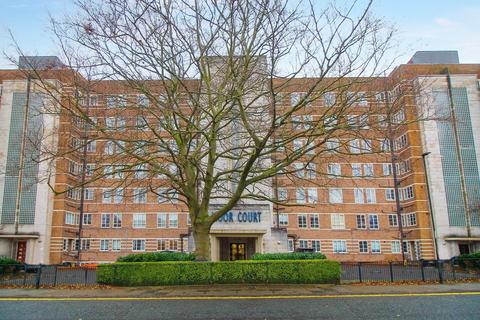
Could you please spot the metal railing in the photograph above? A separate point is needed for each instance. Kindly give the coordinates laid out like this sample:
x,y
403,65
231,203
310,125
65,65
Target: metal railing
x,y
27,275
423,270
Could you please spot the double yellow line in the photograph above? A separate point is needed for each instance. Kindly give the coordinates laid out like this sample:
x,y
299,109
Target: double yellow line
x,y
337,296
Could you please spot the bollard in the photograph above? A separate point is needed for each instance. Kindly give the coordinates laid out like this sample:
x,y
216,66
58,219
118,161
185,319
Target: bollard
x,y
452,262
24,274
86,276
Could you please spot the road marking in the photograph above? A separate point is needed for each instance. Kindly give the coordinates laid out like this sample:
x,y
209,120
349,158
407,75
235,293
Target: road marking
x,y
337,296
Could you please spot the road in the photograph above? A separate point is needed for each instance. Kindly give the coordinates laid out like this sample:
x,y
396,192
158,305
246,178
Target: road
x,y
395,306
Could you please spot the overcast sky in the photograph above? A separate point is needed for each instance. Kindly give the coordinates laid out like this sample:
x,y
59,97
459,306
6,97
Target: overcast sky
x,y
422,25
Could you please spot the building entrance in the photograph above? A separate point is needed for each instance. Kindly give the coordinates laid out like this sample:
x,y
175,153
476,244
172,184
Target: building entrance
x,y
233,249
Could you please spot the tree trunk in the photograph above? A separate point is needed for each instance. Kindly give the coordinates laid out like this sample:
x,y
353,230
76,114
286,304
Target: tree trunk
x,y
201,235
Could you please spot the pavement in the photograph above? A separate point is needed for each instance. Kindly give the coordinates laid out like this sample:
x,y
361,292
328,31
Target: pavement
x,y
236,291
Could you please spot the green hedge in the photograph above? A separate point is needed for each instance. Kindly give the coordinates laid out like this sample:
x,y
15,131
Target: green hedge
x,y
289,256
471,260
5,260
157,256
175,273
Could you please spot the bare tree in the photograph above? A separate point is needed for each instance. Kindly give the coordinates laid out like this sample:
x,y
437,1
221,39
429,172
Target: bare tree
x,y
204,104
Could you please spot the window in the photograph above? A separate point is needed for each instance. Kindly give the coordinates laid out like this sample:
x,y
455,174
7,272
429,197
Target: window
x,y
339,246
356,170
89,193
405,246
311,169
354,146
161,245
392,220
395,246
409,219
105,220
141,123
290,245
401,142
316,245
329,99
118,195
358,193
85,244
87,219
333,144
138,245
298,144
165,195
117,220
385,145
373,221
142,101
334,169
107,196
89,169
282,194
139,220
91,146
361,221
173,220
387,169
363,246
299,170
335,195
104,244
330,122
140,171
408,193
390,194
312,195
70,218
375,245
314,224
370,195
139,195
302,221
173,245
368,170
303,244
296,97
300,195
116,245
366,145
338,221
296,122
161,220
283,219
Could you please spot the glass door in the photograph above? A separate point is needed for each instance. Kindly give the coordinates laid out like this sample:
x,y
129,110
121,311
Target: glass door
x,y
237,251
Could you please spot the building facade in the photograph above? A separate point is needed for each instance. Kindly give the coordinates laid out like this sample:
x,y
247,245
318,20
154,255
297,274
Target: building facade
x,y
344,206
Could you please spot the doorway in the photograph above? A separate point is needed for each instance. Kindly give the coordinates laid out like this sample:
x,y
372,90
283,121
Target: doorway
x,y
463,248
238,251
21,251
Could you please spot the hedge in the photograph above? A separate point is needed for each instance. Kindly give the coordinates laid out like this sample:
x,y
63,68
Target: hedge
x,y
157,256
471,260
176,273
289,256
6,260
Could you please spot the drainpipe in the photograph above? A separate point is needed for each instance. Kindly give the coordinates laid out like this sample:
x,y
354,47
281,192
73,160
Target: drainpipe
x,y
22,157
459,155
430,206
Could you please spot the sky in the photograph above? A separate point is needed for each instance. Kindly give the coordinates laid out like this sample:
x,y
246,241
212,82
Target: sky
x,y
421,25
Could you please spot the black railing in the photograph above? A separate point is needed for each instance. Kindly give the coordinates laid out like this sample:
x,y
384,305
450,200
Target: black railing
x,y
46,275
27,275
423,270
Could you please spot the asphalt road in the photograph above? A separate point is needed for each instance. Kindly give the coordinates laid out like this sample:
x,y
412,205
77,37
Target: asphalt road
x,y
418,306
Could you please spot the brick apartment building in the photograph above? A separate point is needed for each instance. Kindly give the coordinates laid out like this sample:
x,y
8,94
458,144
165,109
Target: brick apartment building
x,y
343,207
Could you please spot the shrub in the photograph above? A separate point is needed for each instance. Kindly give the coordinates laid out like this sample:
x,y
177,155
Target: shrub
x,y
6,260
471,260
157,256
289,256
189,272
